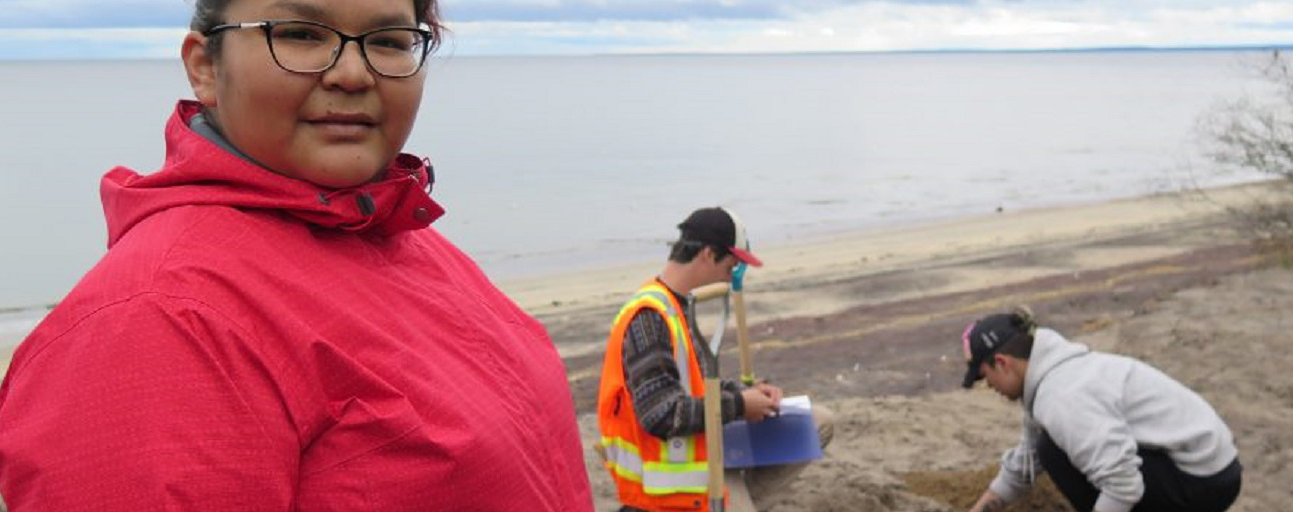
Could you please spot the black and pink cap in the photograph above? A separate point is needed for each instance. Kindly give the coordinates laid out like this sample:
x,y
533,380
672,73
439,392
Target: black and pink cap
x,y
984,337
719,226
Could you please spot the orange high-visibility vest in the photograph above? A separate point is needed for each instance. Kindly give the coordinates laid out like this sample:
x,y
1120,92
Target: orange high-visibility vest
x,y
652,473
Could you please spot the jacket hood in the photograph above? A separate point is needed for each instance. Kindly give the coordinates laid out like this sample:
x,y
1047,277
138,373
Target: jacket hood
x,y
1049,350
198,172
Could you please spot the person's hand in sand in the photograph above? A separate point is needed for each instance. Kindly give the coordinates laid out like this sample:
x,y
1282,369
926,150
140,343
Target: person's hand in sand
x,y
989,502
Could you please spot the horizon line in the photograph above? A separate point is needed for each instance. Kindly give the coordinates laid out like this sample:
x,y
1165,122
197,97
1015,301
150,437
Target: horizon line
x,y
904,51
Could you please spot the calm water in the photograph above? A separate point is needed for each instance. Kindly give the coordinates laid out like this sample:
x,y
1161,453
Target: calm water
x,y
554,163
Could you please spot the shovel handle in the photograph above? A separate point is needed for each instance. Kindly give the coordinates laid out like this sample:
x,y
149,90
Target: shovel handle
x,y
714,441
743,338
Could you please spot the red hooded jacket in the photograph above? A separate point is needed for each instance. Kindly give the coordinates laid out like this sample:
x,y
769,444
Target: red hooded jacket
x,y
253,342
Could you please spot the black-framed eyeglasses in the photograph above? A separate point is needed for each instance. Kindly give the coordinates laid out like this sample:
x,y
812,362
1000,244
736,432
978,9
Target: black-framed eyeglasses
x,y
309,47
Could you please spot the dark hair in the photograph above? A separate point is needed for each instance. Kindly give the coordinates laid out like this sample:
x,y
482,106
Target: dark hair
x,y
1020,346
209,13
683,251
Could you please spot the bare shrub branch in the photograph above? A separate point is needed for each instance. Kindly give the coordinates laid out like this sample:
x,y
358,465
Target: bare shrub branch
x,y
1246,135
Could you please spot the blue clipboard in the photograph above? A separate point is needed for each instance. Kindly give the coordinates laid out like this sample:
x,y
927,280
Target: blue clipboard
x,y
788,438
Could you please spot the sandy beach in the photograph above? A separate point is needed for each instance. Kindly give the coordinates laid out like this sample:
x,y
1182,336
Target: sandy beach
x,y
867,324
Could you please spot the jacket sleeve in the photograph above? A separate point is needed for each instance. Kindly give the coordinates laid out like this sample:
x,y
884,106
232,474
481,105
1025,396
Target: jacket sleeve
x,y
651,374
1090,430
1015,477
141,406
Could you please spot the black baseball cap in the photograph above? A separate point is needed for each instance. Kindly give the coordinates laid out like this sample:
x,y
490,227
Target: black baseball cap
x,y
985,336
719,226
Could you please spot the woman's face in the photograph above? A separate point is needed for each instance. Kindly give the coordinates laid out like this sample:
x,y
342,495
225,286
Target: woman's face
x,y
338,128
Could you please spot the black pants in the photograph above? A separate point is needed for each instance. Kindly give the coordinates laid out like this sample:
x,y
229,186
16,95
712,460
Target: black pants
x,y
1167,488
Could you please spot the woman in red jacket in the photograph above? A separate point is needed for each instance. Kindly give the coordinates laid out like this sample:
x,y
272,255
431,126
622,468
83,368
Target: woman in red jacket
x,y
275,326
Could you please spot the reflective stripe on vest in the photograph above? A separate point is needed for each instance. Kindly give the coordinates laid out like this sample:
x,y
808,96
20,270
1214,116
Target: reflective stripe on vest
x,y
679,472
655,477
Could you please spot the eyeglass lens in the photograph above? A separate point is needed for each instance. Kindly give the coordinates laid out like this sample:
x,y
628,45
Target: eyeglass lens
x,y
309,48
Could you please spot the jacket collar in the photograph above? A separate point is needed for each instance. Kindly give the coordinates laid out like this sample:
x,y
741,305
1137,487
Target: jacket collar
x,y
198,171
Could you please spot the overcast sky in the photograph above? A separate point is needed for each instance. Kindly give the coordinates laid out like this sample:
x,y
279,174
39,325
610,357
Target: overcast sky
x,y
152,28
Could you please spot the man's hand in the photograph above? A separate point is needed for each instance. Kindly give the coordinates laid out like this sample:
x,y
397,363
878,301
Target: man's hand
x,y
989,502
761,401
770,390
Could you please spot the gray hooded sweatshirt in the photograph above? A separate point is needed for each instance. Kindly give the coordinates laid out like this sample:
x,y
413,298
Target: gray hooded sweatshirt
x,y
1099,408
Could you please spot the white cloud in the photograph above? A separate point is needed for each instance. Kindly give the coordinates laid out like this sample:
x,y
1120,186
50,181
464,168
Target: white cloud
x,y
38,43
603,26
94,14
1017,25
171,36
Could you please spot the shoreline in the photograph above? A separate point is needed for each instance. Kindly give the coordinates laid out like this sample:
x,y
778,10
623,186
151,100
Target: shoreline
x,y
889,248
812,277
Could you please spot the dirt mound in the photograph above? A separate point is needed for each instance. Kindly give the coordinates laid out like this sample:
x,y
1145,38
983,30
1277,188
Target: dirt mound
x,y
961,489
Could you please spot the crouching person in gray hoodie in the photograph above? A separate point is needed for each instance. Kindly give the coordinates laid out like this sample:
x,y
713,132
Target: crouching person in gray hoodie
x,y
1113,433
